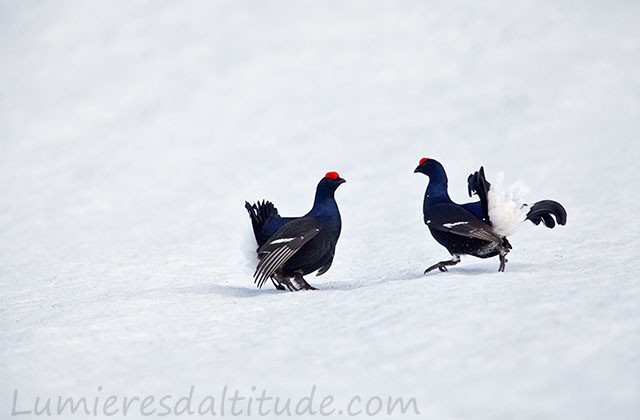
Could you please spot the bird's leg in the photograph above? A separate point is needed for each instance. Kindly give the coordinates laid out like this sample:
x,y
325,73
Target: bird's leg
x,y
290,285
442,265
503,259
282,279
300,281
277,284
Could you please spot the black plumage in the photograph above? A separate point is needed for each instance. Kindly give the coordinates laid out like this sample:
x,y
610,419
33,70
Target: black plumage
x,y
471,228
291,247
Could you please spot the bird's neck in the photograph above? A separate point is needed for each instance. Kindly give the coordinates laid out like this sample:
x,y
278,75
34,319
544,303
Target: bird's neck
x,y
324,204
437,190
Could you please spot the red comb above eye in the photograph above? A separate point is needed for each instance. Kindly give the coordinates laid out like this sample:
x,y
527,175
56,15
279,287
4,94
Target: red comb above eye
x,y
423,160
332,175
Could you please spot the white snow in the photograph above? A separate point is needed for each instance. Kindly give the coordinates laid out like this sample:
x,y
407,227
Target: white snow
x,y
131,133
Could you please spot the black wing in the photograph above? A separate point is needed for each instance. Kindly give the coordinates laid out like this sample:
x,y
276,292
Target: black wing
x,y
283,245
452,218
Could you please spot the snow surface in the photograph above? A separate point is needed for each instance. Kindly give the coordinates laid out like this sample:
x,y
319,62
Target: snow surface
x,y
132,132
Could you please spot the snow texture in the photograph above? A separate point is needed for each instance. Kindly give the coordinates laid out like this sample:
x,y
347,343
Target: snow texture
x,y
131,134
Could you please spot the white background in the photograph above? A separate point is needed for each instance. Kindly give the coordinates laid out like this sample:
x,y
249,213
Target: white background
x,y
132,132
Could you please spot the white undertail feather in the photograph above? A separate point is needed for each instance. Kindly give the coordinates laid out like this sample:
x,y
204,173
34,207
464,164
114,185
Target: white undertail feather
x,y
507,209
248,249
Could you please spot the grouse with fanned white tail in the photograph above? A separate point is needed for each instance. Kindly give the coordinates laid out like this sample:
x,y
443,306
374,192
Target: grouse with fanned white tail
x,y
480,228
291,247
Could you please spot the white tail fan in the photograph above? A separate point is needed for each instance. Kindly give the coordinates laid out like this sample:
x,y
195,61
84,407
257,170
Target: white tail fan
x,y
506,207
248,248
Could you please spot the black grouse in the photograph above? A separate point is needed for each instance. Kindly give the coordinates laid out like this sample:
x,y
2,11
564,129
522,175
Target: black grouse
x,y
291,247
479,228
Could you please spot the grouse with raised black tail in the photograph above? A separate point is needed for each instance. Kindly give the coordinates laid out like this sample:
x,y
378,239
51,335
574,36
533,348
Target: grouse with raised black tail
x,y
291,247
479,228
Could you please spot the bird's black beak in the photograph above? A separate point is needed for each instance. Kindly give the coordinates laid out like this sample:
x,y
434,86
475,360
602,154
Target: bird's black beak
x,y
417,170
341,181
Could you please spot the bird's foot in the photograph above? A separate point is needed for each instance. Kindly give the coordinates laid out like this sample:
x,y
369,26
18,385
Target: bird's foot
x,y
503,260
302,283
277,284
285,283
439,266
292,287
503,263
442,265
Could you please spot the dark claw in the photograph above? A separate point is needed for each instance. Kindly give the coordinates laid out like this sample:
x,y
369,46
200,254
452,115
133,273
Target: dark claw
x,y
442,265
300,281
